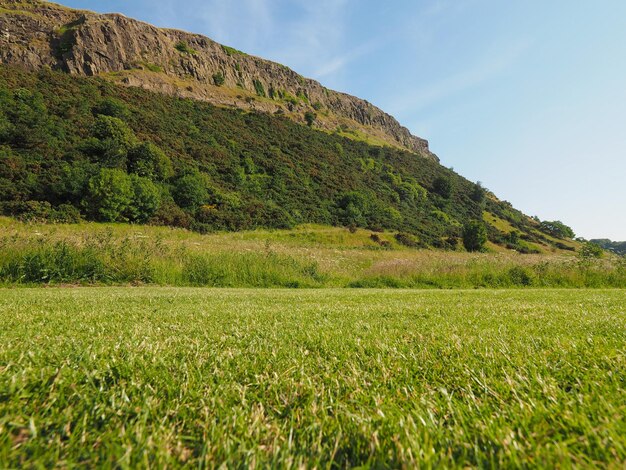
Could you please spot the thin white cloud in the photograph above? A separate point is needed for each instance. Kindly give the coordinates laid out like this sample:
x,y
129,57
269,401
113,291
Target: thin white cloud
x,y
313,35
337,63
492,64
245,23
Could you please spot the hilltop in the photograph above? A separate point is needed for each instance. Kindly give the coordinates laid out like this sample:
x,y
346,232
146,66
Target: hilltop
x,y
89,130
38,34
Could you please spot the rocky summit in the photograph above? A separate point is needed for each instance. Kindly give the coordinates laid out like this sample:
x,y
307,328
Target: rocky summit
x,y
36,34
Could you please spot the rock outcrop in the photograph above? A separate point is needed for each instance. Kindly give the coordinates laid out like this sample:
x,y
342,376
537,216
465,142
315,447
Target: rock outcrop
x,y
36,34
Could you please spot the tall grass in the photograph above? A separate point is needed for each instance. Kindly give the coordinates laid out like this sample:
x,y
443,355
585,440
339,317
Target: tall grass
x,y
489,272
102,259
319,257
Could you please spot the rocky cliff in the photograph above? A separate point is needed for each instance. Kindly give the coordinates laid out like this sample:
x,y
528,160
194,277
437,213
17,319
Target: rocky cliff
x,y
37,34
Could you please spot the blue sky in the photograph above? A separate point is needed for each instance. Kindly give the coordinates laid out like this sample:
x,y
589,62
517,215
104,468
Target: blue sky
x,y
526,96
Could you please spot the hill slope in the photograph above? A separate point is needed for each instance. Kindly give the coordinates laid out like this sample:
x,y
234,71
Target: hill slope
x,y
40,34
75,146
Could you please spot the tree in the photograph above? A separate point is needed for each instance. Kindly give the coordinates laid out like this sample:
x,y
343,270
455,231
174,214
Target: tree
x,y
190,191
478,193
148,160
474,235
109,195
146,199
112,107
557,229
443,186
109,127
354,206
111,142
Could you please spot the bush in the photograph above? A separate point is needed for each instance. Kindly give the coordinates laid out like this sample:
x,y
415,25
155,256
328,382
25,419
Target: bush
x,y
146,200
520,276
41,211
113,108
183,47
443,186
66,214
478,193
171,215
111,141
190,191
258,87
150,161
474,235
407,239
310,118
218,79
591,250
110,193
29,211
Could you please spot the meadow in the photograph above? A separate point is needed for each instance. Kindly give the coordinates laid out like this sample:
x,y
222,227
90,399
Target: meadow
x,y
306,256
326,378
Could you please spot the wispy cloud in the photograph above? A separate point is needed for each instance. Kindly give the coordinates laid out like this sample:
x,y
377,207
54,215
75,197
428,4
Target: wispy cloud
x,y
299,33
337,63
491,65
245,23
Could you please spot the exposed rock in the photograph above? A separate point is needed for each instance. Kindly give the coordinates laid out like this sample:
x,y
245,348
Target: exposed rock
x,y
37,34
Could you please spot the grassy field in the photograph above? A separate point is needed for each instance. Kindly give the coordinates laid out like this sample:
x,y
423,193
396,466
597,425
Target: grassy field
x,y
308,256
156,377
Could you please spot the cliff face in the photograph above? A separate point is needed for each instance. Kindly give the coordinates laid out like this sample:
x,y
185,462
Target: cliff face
x,y
37,34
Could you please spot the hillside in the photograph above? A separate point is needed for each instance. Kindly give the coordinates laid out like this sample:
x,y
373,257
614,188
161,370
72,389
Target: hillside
x,y
38,34
79,145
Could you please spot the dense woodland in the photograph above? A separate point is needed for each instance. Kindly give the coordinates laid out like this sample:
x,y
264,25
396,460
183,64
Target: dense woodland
x,y
75,148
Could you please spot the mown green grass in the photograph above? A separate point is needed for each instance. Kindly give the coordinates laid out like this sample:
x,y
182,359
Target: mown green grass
x,y
156,377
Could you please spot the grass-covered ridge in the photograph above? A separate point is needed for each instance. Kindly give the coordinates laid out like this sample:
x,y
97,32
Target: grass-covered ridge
x,y
75,148
143,378
306,256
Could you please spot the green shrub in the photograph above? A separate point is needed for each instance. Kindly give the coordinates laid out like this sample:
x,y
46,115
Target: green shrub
x,y
148,160
146,199
111,141
110,193
231,51
309,118
169,214
520,276
407,239
219,79
183,47
112,107
591,250
66,214
478,193
443,186
258,87
474,235
190,191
